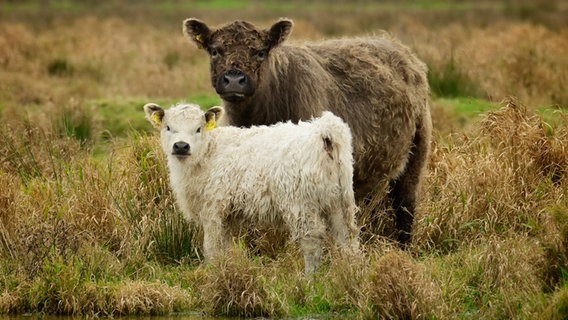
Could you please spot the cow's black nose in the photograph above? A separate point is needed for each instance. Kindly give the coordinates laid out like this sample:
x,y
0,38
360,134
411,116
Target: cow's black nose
x,y
236,82
181,148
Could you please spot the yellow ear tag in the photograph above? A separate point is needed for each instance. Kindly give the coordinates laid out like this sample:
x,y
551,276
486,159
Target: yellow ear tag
x,y
211,124
156,119
199,38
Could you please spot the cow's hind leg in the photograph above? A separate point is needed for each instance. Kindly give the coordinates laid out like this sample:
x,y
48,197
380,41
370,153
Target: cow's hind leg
x,y
404,189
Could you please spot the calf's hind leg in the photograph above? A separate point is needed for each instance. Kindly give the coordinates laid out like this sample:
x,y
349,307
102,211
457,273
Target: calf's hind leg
x,y
311,242
344,229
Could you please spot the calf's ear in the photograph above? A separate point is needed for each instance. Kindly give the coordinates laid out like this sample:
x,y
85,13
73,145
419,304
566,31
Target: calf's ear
x,y
279,31
197,31
212,116
154,114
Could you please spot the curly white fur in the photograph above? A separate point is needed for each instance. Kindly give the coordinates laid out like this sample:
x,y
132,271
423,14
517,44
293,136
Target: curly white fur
x,y
297,176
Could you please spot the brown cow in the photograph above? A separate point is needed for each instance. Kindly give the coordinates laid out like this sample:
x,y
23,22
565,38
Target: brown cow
x,y
376,84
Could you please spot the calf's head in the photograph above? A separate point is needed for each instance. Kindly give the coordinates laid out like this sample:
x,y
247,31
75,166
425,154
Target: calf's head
x,y
182,128
238,52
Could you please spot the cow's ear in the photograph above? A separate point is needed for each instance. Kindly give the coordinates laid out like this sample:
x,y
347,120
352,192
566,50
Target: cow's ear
x,y
154,114
197,31
212,116
279,32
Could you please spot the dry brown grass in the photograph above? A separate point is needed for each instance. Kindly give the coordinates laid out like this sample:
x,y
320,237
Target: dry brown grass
x,y
496,61
520,59
390,285
72,228
89,57
400,288
493,205
237,286
505,178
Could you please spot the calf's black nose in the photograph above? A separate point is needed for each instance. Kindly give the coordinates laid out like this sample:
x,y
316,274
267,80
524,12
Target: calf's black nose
x,y
181,148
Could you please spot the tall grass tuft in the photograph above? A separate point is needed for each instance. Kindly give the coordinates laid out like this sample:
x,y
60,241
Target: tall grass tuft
x,y
496,182
236,286
555,272
176,239
399,288
78,124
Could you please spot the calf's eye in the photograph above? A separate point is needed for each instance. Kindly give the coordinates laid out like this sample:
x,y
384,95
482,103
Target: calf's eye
x,y
198,130
168,128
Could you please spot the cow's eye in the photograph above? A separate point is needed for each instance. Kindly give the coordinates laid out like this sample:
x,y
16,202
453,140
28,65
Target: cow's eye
x,y
261,54
168,128
214,52
198,130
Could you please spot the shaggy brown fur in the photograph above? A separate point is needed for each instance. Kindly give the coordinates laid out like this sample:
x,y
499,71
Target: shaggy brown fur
x,y
376,84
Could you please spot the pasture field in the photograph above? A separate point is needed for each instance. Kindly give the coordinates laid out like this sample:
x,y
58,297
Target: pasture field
x,y
88,226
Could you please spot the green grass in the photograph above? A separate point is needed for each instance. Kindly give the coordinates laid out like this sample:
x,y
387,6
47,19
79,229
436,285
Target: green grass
x,y
450,81
468,107
552,116
119,116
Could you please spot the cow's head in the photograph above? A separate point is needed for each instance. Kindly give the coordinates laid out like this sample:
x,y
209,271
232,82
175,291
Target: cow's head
x,y
182,128
238,51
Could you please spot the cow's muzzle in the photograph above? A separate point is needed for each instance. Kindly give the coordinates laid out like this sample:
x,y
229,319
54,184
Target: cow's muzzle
x,y
234,86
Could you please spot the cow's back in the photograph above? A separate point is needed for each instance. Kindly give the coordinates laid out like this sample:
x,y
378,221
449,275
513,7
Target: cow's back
x,y
383,97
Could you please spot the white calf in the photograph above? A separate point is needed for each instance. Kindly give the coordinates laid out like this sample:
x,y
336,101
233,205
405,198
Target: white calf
x,y
296,176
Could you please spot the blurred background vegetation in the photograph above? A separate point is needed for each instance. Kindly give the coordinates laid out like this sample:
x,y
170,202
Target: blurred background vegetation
x,y
91,64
